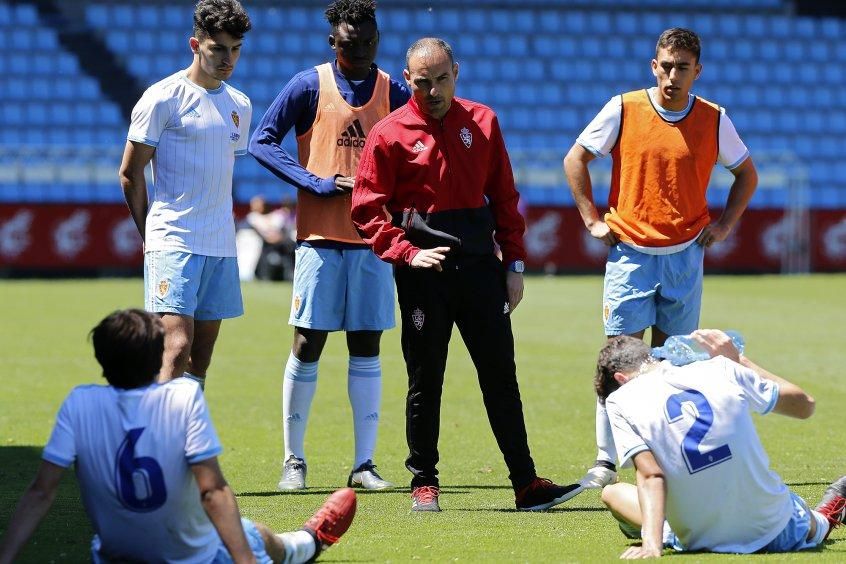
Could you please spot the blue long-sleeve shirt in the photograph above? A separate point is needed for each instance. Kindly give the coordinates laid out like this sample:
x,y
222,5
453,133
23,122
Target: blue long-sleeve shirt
x,y
296,107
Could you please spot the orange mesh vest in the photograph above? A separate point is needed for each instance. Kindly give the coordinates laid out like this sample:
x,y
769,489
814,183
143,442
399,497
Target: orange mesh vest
x,y
661,171
333,146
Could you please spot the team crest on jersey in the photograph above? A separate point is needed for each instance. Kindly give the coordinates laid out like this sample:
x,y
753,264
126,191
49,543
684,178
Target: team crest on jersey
x,y
606,311
236,119
466,137
163,287
417,316
297,302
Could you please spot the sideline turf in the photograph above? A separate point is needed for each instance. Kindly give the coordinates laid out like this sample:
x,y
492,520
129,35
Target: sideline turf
x,y
792,326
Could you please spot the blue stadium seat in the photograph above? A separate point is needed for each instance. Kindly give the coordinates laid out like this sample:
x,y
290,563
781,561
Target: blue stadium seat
x,y
832,28
169,41
755,26
24,15
97,16
15,88
626,23
551,22
575,23
176,17
780,27
449,20
119,41
804,28
303,18
67,65
123,16
147,17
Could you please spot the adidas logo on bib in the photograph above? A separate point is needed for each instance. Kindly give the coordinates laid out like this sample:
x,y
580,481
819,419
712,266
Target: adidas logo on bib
x,y
353,136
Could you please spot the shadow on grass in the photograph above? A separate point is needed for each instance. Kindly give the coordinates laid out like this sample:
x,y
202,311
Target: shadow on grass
x,y
65,533
405,490
558,509
794,484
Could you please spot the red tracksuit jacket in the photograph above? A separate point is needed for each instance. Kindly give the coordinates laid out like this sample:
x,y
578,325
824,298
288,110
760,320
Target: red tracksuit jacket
x,y
454,172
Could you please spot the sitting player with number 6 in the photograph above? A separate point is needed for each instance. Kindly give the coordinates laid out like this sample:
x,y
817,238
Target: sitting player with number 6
x,y
145,456
700,464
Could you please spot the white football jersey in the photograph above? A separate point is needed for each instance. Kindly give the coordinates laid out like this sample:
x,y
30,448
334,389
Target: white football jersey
x,y
696,421
132,450
197,133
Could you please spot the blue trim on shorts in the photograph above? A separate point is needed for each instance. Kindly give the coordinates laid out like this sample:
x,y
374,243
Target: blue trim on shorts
x,y
795,534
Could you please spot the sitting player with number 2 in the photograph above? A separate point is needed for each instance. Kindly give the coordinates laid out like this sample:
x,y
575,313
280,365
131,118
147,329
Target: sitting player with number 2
x,y
700,464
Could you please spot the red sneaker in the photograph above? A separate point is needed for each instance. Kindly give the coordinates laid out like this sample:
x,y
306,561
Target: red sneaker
x,y
333,518
833,504
425,498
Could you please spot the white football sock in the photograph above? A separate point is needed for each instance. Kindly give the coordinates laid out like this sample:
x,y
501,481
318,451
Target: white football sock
x,y
299,546
822,528
298,389
604,437
200,380
364,386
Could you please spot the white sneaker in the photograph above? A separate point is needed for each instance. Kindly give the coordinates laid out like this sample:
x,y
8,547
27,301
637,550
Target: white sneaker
x,y
293,474
365,476
598,477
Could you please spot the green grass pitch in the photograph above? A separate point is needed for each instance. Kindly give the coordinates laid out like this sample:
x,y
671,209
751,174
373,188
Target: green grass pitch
x,y
793,326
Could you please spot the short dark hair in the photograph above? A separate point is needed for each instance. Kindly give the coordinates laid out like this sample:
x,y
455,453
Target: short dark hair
x,y
214,16
620,354
129,344
679,39
426,43
351,12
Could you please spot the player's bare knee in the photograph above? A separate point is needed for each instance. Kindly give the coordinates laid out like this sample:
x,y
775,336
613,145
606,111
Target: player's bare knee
x,y
609,494
364,343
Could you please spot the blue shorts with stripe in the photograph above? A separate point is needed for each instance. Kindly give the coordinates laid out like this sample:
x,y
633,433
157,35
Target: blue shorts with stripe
x,y
342,289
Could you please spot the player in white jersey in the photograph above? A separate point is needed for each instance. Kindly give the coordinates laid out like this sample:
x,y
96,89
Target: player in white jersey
x,y
191,125
145,456
700,465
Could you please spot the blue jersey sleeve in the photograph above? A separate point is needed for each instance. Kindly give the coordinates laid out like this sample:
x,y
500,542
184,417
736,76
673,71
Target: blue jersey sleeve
x,y
294,107
399,94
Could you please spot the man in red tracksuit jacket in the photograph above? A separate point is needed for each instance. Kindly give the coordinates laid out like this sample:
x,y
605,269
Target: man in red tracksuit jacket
x,y
433,186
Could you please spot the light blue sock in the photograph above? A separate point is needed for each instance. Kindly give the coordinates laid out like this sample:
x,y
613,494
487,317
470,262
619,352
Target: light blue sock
x,y
298,389
364,387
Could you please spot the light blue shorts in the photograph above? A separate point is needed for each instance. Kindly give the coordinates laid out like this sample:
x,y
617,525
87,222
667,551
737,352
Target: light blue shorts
x,y
643,290
256,545
342,289
221,557
206,288
793,537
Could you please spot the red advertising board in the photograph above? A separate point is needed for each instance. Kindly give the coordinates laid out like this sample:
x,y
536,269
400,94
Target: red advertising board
x,y
556,240
70,237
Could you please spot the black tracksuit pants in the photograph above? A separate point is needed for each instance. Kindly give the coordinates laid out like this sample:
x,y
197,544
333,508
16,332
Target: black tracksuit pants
x,y
470,293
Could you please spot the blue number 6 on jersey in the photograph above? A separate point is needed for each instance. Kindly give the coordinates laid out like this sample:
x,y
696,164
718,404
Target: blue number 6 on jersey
x,y
139,481
693,457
